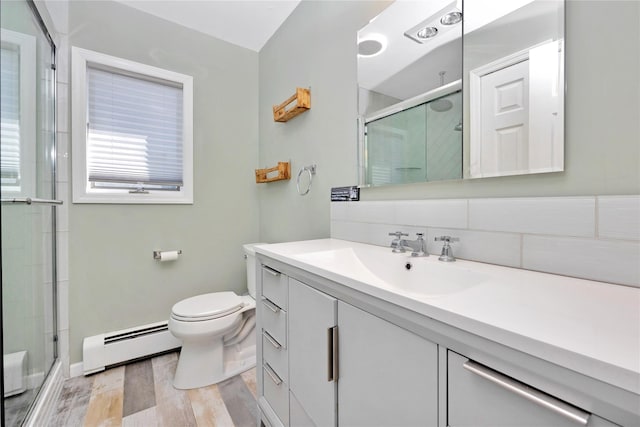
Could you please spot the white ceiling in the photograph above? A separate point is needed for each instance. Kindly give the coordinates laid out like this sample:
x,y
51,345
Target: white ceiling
x,y
245,23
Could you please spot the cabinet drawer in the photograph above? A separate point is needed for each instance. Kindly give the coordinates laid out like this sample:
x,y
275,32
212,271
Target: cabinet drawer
x,y
274,321
275,286
275,355
480,396
276,392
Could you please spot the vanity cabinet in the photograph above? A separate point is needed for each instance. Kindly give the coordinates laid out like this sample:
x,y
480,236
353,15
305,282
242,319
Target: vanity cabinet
x,y
332,356
273,328
481,396
312,323
342,357
388,375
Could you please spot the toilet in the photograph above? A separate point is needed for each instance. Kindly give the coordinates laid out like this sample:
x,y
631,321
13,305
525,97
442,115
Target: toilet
x,y
217,332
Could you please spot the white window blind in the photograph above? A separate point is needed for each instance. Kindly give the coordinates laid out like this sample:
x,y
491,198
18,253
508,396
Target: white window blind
x,y
10,117
134,131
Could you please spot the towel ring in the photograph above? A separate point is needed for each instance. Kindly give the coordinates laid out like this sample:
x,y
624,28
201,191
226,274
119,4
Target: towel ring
x,y
311,170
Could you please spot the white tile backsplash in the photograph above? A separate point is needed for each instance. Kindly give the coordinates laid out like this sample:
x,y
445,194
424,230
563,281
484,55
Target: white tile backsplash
x,y
352,231
494,248
438,213
563,216
372,212
339,211
619,217
595,238
604,260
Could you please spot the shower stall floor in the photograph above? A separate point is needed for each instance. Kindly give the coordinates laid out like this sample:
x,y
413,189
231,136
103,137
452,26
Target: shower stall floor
x,y
142,394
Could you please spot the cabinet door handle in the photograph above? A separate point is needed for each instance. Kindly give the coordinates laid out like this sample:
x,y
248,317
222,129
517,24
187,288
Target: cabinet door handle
x,y
332,354
271,271
271,306
529,393
274,377
272,340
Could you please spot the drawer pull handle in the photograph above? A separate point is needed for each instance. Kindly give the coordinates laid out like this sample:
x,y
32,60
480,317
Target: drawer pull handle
x,y
332,354
272,340
274,377
271,306
271,271
535,396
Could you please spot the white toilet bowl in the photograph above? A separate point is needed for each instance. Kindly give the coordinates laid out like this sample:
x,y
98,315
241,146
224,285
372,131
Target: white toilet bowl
x,y
217,332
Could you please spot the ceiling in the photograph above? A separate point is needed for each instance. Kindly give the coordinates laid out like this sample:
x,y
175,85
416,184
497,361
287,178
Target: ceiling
x,y
245,23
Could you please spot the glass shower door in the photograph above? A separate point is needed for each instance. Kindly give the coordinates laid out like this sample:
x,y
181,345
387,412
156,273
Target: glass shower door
x,y
27,185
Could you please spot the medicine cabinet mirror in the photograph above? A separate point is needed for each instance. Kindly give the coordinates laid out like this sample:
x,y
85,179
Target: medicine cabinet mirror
x,y
424,116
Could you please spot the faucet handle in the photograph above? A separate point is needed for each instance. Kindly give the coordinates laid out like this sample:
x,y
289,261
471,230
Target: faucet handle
x,y
447,239
447,251
420,235
398,234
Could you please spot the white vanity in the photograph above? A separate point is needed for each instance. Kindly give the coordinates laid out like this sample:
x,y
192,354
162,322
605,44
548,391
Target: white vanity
x,y
353,334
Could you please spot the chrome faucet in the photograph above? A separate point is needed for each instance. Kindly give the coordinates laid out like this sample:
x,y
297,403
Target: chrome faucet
x,y
399,245
396,244
447,251
418,247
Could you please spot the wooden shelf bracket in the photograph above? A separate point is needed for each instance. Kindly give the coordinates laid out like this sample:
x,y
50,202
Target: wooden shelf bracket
x,y
302,99
283,169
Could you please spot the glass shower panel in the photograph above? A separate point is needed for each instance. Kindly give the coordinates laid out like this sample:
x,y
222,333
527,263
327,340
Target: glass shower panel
x,y
27,171
444,138
395,148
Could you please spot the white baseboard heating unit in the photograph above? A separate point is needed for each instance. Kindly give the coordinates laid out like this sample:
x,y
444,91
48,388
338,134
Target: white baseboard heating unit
x,y
115,348
15,373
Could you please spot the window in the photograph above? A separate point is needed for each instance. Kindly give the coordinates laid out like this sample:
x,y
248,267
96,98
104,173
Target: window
x,y
17,120
132,132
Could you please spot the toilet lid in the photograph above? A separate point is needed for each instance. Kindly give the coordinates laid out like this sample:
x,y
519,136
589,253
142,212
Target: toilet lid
x,y
207,306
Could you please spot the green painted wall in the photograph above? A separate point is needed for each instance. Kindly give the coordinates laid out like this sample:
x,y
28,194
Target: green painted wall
x,y
315,47
114,282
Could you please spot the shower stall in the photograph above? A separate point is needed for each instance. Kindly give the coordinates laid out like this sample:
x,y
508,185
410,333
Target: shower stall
x,y
416,140
28,212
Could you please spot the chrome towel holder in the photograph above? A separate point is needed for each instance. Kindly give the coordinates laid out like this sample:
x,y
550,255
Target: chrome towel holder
x,y
311,170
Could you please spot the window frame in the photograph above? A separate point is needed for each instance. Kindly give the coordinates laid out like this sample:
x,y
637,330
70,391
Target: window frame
x,y
82,191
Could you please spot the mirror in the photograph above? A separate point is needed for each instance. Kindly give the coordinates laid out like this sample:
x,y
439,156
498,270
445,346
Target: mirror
x,y
509,95
410,99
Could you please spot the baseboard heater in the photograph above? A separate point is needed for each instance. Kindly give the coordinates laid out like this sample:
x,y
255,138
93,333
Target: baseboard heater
x,y
15,373
115,348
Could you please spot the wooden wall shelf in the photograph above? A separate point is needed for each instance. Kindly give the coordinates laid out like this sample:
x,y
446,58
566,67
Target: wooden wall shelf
x,y
302,97
284,172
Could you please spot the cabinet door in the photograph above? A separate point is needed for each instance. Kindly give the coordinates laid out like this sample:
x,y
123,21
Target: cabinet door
x,y
388,375
479,397
312,315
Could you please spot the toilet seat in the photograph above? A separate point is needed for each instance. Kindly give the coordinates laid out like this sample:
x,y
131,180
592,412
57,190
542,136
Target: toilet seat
x,y
207,307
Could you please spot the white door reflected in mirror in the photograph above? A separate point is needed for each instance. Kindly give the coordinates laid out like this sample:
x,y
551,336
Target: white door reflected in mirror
x,y
516,118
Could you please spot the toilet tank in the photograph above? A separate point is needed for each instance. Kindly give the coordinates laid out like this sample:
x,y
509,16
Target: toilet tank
x,y
250,256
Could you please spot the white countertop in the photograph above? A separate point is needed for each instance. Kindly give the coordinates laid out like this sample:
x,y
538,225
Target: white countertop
x,y
590,327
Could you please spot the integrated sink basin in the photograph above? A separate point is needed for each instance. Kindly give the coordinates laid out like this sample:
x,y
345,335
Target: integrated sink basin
x,y
377,266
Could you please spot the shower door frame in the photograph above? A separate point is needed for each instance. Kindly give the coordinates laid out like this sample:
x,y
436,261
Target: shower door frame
x,y
53,202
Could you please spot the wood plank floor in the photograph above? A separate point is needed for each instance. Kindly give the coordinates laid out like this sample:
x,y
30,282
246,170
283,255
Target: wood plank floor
x,y
141,394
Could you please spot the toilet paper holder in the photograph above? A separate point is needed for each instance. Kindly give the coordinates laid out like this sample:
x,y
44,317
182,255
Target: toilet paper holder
x,y
158,254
